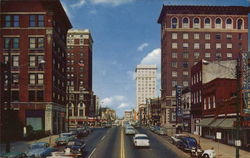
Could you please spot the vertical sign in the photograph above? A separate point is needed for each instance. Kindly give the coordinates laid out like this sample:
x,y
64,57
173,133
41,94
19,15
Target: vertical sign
x,y
246,81
178,101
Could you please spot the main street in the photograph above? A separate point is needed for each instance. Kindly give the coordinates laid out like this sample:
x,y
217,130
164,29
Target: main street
x,y
113,143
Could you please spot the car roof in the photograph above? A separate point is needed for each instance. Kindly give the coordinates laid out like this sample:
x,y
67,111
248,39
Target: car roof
x,y
139,135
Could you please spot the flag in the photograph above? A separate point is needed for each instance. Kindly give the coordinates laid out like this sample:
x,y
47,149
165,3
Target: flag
x,y
80,64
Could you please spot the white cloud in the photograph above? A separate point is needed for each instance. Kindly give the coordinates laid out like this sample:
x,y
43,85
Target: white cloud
x,y
122,105
66,9
112,2
78,4
109,101
153,57
106,101
142,46
131,74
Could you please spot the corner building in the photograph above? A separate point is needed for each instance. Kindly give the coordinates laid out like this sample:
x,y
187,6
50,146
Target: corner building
x,y
192,33
79,75
38,33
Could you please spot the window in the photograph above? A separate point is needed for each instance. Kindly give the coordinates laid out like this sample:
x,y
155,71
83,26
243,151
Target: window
x,y
185,83
185,73
32,61
218,23
11,21
36,21
205,105
218,55
185,23
207,46
185,35
15,78
207,55
196,23
81,112
240,24
15,61
207,23
14,44
240,36
196,55
209,105
185,45
40,96
196,36
213,101
174,23
40,79
174,55
36,42
185,64
207,36
229,45
185,55
174,35
174,83
218,45
174,46
196,45
229,36
229,23
32,79
173,92
229,55
174,74
218,36
174,64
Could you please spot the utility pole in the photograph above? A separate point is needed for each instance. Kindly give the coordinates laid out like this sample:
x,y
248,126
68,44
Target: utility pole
x,y
238,75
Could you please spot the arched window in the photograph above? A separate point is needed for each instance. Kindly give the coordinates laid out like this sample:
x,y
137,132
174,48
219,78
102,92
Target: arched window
x,y
81,109
240,24
185,23
207,23
218,23
196,23
174,23
229,23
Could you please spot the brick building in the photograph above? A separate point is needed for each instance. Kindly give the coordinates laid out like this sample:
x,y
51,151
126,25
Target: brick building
x,y
79,74
192,33
38,60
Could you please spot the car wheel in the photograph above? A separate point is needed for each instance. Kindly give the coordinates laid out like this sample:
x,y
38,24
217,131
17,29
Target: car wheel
x,y
205,156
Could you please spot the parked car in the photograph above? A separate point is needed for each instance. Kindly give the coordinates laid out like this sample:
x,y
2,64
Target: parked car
x,y
108,125
64,140
74,132
162,131
14,155
76,146
129,130
141,140
187,144
89,129
82,132
209,153
175,138
40,150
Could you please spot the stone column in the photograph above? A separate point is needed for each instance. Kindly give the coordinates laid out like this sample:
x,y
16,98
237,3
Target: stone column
x,y
48,118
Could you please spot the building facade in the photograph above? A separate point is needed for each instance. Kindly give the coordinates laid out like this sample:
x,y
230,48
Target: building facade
x,y
145,83
192,33
79,76
38,34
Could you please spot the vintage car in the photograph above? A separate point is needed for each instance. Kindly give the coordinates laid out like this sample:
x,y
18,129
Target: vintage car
x,y
40,150
14,155
64,140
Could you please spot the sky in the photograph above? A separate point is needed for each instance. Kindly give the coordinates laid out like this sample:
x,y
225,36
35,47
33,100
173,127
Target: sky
x,y
125,34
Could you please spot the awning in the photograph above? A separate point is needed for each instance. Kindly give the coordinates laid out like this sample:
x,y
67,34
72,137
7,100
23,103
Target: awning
x,y
217,122
205,122
228,123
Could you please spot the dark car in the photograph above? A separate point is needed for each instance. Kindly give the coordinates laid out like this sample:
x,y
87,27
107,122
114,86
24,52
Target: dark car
x,y
76,146
187,143
14,155
82,132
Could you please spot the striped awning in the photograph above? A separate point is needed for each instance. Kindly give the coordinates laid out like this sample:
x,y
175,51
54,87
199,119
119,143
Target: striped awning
x,y
228,123
216,123
205,122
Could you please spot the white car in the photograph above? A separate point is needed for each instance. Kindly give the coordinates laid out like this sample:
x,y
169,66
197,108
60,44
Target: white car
x,y
175,138
129,130
141,140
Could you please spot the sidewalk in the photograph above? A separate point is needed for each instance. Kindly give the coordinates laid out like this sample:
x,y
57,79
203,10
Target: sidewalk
x,y
22,146
222,150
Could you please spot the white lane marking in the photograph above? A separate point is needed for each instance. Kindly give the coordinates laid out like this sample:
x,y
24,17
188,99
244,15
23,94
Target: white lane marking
x,y
92,153
103,137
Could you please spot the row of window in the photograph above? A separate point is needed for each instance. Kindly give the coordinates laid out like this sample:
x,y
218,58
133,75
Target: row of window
x,y
184,83
196,78
34,79
207,36
198,45
197,55
14,21
32,96
196,97
34,42
207,23
34,61
209,102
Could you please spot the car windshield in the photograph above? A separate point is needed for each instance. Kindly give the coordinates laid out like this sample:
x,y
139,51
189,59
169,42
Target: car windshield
x,y
141,137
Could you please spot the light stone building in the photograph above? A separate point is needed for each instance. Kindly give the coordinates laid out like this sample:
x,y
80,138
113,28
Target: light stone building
x,y
145,84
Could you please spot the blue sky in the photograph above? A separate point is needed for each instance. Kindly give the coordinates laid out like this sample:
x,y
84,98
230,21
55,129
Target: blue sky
x,y
125,34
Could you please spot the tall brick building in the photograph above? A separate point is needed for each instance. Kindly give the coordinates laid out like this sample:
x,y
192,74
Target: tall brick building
x,y
79,76
192,33
38,31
